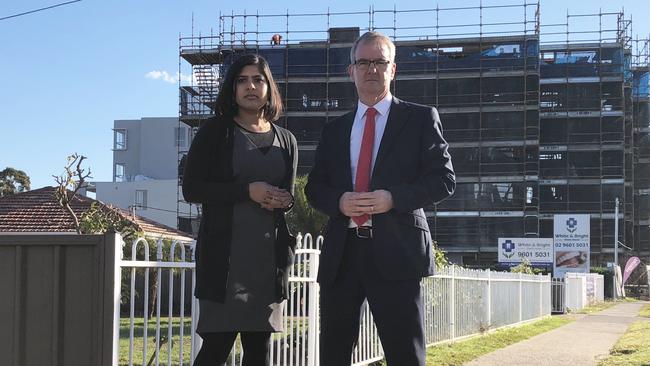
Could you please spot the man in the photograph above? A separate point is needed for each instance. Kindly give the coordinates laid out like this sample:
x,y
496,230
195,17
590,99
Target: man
x,y
375,169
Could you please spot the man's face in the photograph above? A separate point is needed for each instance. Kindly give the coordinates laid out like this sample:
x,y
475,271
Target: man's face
x,y
372,80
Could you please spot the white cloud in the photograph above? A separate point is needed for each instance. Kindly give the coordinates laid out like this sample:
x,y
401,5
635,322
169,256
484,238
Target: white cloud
x,y
161,75
168,78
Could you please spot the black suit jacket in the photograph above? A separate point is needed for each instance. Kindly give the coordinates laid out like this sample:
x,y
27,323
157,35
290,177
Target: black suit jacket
x,y
412,163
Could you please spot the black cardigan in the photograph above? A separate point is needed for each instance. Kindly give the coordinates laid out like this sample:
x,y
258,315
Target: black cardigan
x,y
208,179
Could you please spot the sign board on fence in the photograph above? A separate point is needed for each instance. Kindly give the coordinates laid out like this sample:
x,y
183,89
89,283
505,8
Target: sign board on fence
x,y
537,250
571,246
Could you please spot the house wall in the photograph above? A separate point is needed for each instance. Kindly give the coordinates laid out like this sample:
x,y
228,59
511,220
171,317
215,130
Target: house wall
x,y
151,148
161,198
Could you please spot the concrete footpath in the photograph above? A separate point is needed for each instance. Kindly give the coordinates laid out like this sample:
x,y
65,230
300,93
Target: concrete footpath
x,y
581,343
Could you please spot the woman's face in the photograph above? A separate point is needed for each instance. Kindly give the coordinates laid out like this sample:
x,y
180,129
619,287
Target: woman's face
x,y
251,89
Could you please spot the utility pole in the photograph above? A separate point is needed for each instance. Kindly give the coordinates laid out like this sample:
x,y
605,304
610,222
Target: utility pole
x,y
616,234
616,289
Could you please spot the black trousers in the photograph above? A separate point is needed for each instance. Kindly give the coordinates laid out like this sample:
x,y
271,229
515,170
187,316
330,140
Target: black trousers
x,y
396,307
216,348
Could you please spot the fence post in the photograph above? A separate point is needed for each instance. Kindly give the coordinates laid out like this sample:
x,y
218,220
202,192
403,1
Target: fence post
x,y
541,294
117,294
196,341
521,294
567,292
314,321
452,304
583,293
489,299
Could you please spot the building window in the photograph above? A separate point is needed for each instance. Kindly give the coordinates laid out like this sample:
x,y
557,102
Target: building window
x,y
141,199
118,175
119,139
180,136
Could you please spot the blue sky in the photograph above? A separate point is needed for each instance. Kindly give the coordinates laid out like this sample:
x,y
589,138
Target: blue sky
x,y
68,72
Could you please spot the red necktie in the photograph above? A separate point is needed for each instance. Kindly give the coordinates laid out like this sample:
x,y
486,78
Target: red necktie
x,y
362,181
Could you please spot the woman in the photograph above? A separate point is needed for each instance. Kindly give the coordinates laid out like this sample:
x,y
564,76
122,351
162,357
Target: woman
x,y
241,167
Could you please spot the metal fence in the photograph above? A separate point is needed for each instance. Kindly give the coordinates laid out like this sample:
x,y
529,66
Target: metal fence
x,y
458,303
557,296
172,341
577,290
56,302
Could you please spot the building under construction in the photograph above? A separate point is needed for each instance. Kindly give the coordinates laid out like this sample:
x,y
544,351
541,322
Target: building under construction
x,y
539,121
637,145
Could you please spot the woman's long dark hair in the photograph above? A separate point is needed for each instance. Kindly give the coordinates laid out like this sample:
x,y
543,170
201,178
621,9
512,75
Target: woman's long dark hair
x,y
226,105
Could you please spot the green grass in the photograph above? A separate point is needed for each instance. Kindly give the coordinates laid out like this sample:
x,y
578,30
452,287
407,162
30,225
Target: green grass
x,y
600,306
138,342
457,353
628,299
299,324
448,354
633,348
645,311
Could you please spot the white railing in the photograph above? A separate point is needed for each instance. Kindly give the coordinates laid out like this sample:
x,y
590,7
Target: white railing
x,y
136,276
458,302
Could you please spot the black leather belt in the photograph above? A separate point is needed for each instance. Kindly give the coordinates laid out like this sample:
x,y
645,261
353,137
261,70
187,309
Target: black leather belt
x,y
363,232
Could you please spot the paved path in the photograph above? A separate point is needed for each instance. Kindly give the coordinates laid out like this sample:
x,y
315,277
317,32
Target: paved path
x,y
581,343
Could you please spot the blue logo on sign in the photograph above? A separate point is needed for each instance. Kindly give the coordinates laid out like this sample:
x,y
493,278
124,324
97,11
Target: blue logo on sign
x,y
508,248
571,224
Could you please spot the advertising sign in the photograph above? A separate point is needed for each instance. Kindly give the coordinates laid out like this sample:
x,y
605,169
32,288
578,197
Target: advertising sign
x,y
539,251
571,246
630,266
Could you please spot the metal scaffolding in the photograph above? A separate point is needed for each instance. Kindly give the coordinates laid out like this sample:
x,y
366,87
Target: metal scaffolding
x,y
585,112
639,145
535,127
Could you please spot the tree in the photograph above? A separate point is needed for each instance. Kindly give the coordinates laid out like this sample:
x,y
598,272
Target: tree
x,y
13,181
69,183
303,217
439,256
100,219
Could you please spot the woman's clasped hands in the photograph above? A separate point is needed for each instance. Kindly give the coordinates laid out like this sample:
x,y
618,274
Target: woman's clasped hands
x,y
269,197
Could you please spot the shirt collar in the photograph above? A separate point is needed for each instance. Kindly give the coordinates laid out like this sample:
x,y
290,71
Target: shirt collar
x,y
382,107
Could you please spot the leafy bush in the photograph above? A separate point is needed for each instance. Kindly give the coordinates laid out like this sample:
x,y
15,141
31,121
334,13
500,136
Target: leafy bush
x,y
523,267
303,217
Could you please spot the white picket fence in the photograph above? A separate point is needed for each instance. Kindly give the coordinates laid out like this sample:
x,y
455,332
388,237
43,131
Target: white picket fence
x,y
458,303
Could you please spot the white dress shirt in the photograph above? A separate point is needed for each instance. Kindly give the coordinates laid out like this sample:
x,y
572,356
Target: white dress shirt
x,y
383,108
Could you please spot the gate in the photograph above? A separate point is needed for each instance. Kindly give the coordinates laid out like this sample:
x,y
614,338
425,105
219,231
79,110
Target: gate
x,y
557,296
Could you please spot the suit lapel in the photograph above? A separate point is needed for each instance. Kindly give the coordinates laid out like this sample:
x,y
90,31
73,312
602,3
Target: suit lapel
x,y
397,117
344,139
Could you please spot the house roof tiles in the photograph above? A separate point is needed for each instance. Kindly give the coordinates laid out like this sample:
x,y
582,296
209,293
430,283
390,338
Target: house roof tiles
x,y
39,211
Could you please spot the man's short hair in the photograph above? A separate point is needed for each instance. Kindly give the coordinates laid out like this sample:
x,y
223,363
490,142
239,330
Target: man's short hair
x,y
370,37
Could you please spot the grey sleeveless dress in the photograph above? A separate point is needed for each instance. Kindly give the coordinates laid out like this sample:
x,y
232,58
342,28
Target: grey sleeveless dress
x,y
250,293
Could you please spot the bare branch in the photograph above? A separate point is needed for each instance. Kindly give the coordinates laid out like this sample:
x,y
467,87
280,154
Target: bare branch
x,y
69,183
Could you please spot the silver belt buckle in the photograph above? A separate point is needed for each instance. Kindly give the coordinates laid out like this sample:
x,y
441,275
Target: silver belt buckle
x,y
364,232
